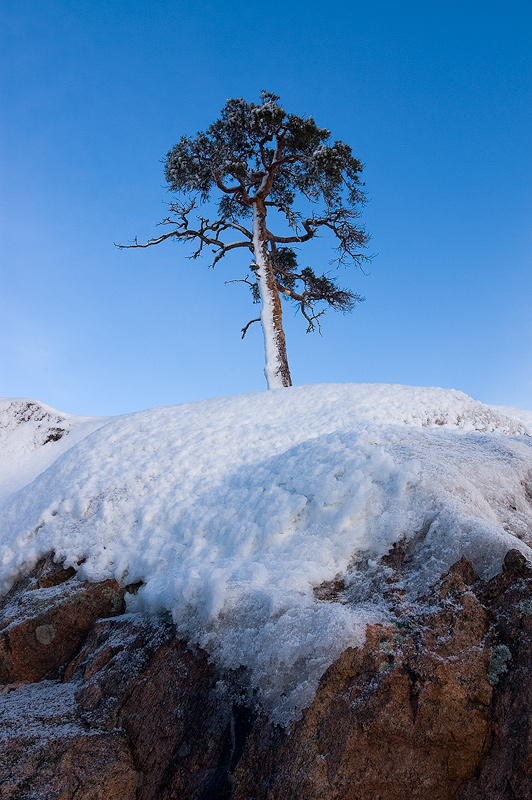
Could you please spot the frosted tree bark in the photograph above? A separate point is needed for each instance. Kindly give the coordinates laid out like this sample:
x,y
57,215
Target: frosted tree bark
x,y
276,370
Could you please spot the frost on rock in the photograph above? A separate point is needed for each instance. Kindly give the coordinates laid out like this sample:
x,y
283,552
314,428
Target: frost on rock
x,y
234,511
39,711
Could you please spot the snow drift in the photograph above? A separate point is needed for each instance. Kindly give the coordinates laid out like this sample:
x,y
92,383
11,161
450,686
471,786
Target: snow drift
x,y
233,512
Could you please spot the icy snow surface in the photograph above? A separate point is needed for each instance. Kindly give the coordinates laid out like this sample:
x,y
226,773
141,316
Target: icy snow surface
x,y
234,510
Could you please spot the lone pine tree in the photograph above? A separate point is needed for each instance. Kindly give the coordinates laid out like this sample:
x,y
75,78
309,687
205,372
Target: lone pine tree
x,y
258,159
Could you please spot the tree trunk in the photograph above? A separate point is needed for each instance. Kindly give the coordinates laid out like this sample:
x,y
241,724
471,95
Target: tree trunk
x,y
276,370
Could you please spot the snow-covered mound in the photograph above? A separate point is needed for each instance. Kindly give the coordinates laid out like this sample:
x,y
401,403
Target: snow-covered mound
x,y
235,511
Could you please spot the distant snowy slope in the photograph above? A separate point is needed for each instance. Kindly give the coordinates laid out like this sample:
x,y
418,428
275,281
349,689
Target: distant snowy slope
x,y
517,414
234,511
32,436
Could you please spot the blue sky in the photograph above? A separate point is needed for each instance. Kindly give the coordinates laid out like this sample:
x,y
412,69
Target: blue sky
x,y
433,98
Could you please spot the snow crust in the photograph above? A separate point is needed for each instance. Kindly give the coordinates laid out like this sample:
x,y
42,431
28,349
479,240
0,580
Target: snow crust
x,y
237,513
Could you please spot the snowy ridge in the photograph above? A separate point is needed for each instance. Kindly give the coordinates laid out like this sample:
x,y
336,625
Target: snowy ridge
x,y
32,436
26,425
233,511
517,414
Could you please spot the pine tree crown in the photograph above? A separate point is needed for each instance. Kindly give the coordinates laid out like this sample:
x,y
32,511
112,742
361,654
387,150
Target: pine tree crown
x,y
249,138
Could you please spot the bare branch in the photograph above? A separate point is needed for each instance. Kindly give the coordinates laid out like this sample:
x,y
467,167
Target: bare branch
x,y
241,280
206,233
223,187
310,233
237,227
226,248
306,306
148,243
271,170
263,158
245,328
240,189
289,292
312,318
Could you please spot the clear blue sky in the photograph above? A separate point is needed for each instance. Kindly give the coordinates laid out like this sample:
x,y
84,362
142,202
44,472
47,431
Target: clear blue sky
x,y
434,98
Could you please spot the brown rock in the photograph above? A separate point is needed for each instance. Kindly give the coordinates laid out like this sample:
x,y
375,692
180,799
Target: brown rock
x,y
47,753
45,619
406,716
177,712
185,748
505,772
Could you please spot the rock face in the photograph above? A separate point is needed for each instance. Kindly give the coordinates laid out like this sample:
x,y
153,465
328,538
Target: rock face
x,y
98,704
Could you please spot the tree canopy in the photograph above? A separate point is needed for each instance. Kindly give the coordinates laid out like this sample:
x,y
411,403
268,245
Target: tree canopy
x,y
256,159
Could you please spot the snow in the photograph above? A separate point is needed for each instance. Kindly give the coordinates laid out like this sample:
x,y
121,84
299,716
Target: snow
x,y
32,436
525,417
233,511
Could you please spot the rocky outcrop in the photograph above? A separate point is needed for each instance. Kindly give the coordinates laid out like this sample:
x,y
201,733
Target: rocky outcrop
x,y
96,703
